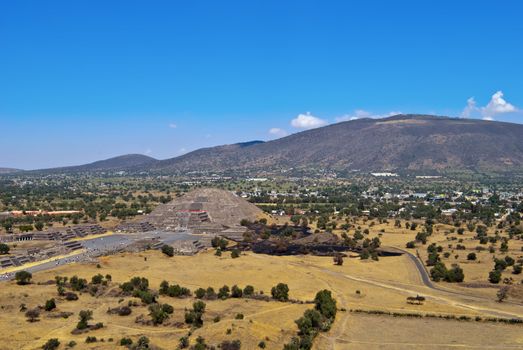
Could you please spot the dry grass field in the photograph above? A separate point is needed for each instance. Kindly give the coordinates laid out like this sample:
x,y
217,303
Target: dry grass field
x,y
366,285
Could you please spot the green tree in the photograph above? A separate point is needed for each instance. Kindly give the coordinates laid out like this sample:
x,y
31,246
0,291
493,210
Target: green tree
x,y
168,250
494,276
84,316
158,313
223,293
50,305
236,292
248,290
51,344
23,277
4,248
325,304
280,292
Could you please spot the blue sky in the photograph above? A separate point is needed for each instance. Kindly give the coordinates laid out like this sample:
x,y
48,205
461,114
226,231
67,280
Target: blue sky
x,y
86,80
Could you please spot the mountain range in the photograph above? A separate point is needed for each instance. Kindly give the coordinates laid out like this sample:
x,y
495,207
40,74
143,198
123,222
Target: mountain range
x,y
401,142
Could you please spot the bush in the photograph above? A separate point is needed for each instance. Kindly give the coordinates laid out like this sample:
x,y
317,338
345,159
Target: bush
x,y
158,313
168,250
184,342
174,290
239,316
4,248
471,256
236,292
91,340
223,293
199,293
84,316
230,345
210,293
126,341
280,292
235,253
248,290
145,296
194,316
494,276
325,304
50,305
142,343
440,272
411,244
23,277
219,243
51,344
78,284
516,269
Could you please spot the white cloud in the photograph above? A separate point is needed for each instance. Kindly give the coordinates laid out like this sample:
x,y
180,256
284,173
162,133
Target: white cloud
x,y
148,151
470,109
278,132
360,113
497,105
173,126
307,121
182,150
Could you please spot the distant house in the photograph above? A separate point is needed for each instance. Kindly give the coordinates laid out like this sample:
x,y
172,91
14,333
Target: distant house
x,y
386,174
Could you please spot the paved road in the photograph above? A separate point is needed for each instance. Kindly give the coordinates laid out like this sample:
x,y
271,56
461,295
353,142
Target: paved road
x,y
428,282
103,245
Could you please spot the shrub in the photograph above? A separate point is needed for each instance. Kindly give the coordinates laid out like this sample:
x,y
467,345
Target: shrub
x,y
145,296
91,340
78,284
248,290
51,344
471,256
184,342
494,276
230,345
4,248
174,290
32,315
158,313
126,341
84,316
236,292
223,293
325,304
199,293
142,343
210,293
235,253
168,250
239,316
280,292
50,305
23,277
97,279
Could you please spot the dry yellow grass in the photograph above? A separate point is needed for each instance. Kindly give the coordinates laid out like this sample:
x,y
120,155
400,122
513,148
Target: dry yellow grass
x,y
382,285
